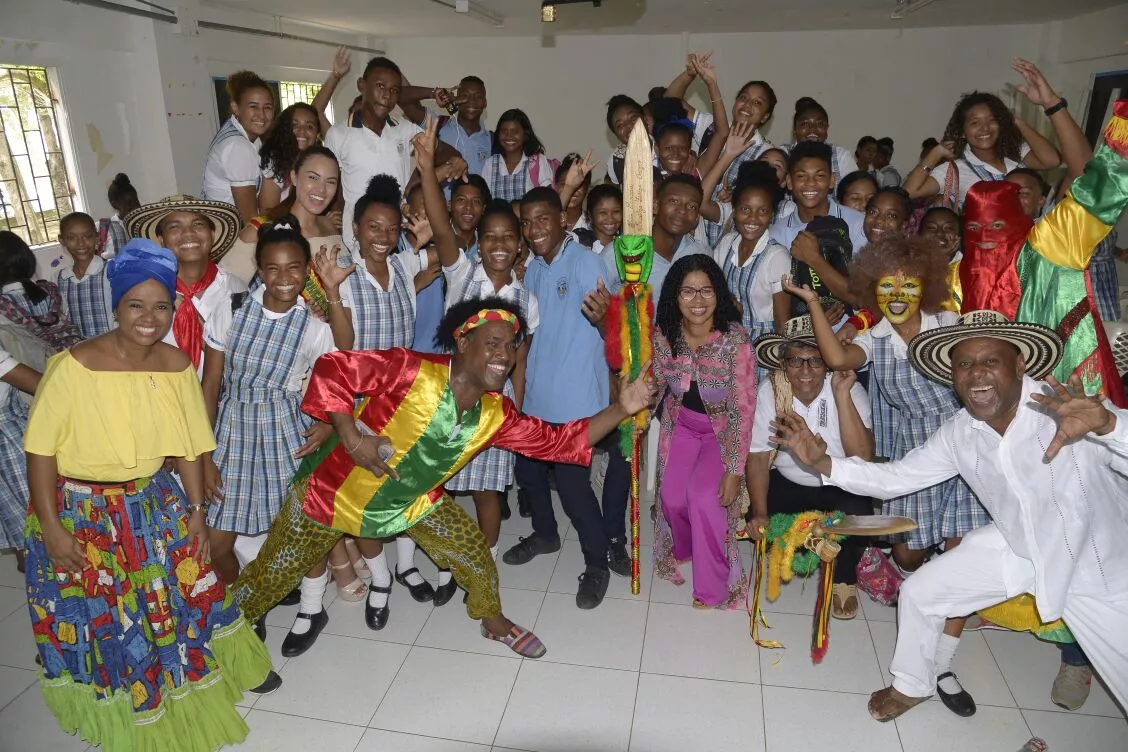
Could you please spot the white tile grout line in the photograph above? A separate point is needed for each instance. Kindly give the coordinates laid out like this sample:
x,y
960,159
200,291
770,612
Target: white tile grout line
x,y
1006,681
881,670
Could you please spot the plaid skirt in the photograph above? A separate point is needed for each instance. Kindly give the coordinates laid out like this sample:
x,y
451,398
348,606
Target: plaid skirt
x,y
13,472
256,442
490,470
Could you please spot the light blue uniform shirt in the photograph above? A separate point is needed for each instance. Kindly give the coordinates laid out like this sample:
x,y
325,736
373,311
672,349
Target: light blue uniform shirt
x,y
787,226
687,247
474,147
566,377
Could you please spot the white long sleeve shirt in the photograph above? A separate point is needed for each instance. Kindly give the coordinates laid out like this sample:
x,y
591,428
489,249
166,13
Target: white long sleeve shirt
x,y
1068,517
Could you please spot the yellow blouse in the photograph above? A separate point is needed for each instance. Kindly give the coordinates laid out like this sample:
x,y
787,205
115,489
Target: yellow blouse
x,y
116,425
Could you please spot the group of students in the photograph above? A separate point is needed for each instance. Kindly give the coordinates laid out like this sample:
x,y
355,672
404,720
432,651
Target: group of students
x,y
788,283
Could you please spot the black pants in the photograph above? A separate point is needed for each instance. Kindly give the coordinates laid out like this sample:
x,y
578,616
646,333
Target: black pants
x,y
786,497
616,488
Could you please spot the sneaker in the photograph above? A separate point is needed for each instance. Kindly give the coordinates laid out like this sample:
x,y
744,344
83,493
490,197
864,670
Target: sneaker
x,y
529,548
1071,687
618,560
593,586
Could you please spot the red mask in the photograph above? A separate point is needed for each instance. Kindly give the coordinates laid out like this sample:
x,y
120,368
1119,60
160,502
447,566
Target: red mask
x,y
988,273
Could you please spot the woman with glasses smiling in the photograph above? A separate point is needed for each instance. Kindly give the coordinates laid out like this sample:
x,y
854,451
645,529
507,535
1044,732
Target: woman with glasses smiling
x,y
705,373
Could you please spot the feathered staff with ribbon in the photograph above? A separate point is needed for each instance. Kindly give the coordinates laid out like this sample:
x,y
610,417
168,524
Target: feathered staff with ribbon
x,y
630,317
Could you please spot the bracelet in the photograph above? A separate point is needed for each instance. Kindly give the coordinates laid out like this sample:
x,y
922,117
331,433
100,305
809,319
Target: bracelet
x,y
1051,111
197,507
861,321
358,443
927,168
338,301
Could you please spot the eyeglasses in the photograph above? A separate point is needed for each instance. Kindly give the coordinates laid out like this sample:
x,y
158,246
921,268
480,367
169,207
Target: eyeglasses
x,y
689,293
794,362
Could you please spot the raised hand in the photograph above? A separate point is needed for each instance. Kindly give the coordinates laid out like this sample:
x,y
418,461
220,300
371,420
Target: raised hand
x,y
804,293
703,66
841,382
579,170
331,274
426,143
740,135
1077,414
793,433
942,152
1035,87
342,61
596,303
420,228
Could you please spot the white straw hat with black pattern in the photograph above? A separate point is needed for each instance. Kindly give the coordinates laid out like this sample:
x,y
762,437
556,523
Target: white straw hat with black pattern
x,y
143,221
770,347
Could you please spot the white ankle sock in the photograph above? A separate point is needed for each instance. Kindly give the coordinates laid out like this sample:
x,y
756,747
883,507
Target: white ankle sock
x,y
444,577
381,577
405,559
945,651
313,591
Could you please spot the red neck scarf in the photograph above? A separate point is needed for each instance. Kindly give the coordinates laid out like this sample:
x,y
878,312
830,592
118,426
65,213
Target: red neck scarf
x,y
187,326
989,276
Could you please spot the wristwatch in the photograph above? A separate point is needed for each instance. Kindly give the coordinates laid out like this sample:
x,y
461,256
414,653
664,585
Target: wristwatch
x,y
1056,108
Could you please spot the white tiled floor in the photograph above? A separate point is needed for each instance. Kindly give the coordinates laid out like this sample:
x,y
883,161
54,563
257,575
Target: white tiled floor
x,y
639,674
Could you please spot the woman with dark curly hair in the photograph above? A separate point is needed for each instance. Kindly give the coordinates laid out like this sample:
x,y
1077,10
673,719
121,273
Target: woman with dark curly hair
x,y
982,141
705,373
295,130
907,280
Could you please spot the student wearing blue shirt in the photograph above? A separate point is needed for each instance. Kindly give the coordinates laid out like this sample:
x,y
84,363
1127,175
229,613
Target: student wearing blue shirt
x,y
565,379
463,130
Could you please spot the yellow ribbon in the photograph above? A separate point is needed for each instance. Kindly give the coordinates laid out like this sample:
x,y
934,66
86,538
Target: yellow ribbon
x,y
756,617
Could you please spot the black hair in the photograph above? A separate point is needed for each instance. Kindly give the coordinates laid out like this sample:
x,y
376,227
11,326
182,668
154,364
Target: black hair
x,y
884,147
680,178
279,146
753,175
378,63
617,101
543,194
496,207
458,314
772,100
1009,144
803,105
472,80
850,178
383,190
119,189
668,315
532,143
929,143
17,264
565,165
285,229
474,181
885,142
1042,184
655,93
317,150
898,192
76,217
935,210
864,141
601,192
810,150
661,129
240,82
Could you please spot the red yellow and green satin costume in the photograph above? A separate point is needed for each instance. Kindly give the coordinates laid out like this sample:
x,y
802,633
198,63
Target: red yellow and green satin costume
x,y
406,397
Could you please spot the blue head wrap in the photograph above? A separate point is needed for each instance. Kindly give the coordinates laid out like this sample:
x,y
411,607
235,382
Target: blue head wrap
x,y
138,261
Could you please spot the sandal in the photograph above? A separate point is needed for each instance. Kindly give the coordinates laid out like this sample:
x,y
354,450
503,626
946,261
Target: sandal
x,y
701,605
360,566
844,601
887,704
520,640
355,591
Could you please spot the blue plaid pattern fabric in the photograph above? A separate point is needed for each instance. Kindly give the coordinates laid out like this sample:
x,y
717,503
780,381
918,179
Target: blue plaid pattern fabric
x,y
714,230
947,509
1102,272
87,303
739,280
260,422
502,185
14,495
382,320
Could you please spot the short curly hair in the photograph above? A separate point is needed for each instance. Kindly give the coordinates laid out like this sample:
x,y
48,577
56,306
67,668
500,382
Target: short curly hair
x,y
1009,144
915,257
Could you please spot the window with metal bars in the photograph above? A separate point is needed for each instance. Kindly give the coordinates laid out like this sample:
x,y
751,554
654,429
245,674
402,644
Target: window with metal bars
x,y
36,185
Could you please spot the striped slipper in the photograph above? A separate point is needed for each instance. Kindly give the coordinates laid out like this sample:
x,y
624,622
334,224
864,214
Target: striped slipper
x,y
520,640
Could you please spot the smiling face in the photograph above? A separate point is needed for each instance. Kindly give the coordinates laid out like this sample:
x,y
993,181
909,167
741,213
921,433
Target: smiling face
x,y
811,126
898,297
809,182
751,106
543,226
981,129
487,354
511,136
283,268
752,212
623,121
315,183
378,230
607,217
144,313
987,376
885,216
466,207
858,194
473,96
943,229
254,111
187,234
499,240
304,126
80,238
674,148
677,208
697,299
381,91
806,371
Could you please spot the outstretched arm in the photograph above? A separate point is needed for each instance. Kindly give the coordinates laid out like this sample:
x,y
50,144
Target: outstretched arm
x,y
1075,149
341,65
838,356
708,74
433,200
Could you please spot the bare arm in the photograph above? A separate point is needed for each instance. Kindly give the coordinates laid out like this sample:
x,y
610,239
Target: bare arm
x,y
341,65
682,81
212,380
269,196
519,370
919,183
22,377
246,202
67,554
1043,155
332,276
756,472
1075,149
708,74
838,356
735,142
433,200
781,309
857,440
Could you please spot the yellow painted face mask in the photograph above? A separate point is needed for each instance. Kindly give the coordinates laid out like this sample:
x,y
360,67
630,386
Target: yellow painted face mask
x,y
898,297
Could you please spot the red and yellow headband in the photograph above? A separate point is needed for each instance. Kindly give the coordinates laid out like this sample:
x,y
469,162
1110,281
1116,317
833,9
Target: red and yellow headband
x,y
485,316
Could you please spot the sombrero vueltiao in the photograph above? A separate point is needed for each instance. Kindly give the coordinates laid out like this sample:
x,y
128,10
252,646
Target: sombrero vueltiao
x,y
142,222
931,351
769,347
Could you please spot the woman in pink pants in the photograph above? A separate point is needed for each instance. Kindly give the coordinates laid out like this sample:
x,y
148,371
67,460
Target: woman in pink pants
x,y
706,376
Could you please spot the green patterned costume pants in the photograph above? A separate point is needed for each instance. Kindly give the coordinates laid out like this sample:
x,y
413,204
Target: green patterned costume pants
x,y
295,543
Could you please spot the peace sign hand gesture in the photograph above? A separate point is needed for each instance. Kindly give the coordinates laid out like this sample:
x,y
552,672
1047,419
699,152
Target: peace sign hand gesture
x,y
1077,414
426,144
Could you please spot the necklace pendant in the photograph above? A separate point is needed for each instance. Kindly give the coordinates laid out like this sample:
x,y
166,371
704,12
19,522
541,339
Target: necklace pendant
x,y
152,381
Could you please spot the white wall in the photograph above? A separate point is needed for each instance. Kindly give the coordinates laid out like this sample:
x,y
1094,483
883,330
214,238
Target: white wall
x,y
901,84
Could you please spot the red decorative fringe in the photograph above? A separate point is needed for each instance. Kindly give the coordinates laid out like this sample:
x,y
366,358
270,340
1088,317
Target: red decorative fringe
x,y
612,325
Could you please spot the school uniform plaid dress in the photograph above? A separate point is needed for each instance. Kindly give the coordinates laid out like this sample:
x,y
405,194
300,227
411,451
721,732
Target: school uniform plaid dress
x,y
714,230
260,421
502,185
739,280
382,320
14,495
948,509
491,470
87,302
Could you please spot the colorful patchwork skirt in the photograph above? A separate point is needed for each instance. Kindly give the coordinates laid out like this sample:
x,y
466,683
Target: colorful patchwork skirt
x,y
143,650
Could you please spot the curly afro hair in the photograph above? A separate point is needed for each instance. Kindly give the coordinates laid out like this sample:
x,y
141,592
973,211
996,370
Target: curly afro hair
x,y
1009,144
458,313
915,257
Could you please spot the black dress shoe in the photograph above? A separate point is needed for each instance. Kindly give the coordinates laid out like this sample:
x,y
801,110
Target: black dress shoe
x,y
423,593
260,628
960,703
273,681
524,508
593,586
296,644
443,593
528,548
377,618
293,598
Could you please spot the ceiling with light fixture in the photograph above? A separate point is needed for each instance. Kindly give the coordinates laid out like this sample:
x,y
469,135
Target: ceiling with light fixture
x,y
392,18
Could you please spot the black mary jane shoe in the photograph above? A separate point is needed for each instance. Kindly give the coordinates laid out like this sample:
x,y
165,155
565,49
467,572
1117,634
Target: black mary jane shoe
x,y
960,703
272,682
296,644
377,618
260,628
292,598
443,593
423,593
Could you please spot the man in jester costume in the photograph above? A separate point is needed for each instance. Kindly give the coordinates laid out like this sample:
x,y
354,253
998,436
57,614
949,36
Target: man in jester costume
x,y
419,420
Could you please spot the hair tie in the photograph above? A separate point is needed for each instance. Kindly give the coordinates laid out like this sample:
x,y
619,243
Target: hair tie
x,y
485,316
282,226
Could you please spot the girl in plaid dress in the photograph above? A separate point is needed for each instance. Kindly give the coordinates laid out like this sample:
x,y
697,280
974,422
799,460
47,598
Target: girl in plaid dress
x,y
517,164
84,288
490,473
906,279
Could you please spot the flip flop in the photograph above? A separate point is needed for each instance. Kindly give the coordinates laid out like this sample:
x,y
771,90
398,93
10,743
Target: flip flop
x,y
520,640
887,704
